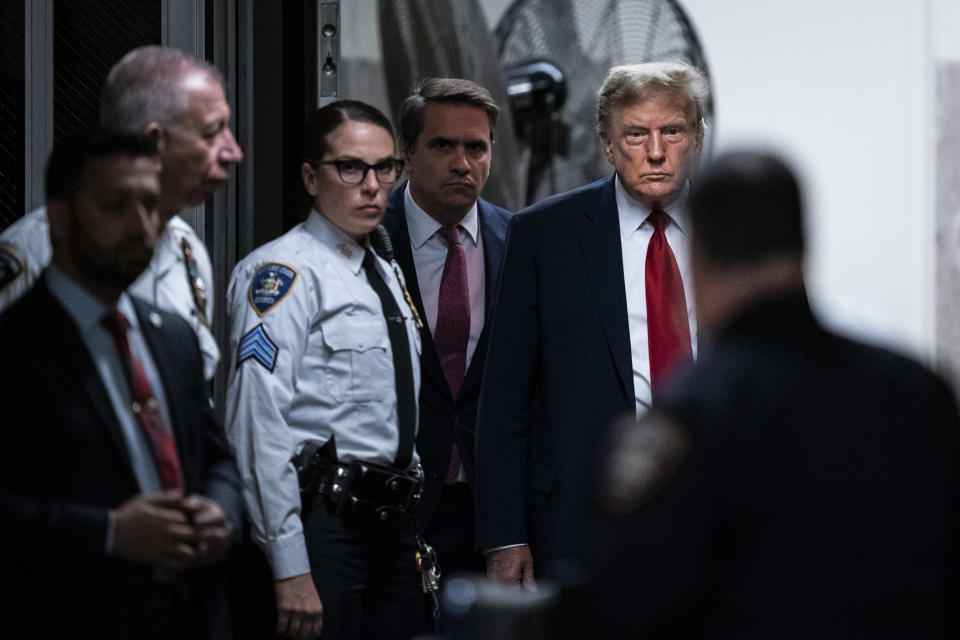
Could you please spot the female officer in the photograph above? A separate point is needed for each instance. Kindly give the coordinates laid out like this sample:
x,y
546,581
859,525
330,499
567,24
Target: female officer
x,y
326,352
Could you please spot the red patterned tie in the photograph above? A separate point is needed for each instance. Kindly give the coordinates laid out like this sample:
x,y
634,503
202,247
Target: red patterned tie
x,y
453,325
668,329
144,406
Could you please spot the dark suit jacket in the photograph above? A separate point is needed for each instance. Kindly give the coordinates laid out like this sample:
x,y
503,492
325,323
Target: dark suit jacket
x,y
558,369
63,465
819,496
444,419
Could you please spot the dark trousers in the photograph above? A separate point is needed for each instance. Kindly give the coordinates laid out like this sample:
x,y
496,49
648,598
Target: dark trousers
x,y
451,532
366,577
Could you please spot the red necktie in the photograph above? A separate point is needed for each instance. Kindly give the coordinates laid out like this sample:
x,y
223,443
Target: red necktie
x,y
144,406
668,329
453,325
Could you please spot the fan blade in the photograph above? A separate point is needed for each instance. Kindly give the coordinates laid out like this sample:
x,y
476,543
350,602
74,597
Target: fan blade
x,y
449,38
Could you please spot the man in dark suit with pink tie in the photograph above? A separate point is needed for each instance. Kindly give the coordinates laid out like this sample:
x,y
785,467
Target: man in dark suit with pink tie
x,y
449,242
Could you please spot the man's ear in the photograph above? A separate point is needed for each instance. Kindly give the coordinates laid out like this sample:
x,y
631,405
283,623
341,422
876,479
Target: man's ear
x,y
405,152
58,217
607,146
309,175
155,131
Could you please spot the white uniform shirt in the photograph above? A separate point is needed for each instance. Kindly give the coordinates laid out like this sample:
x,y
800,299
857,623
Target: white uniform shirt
x,y
311,358
25,252
166,284
635,234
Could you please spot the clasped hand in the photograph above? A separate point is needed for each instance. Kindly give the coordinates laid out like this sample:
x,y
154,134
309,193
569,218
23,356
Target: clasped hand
x,y
171,530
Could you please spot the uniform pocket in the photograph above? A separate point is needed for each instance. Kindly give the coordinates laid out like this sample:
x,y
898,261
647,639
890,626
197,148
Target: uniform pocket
x,y
359,368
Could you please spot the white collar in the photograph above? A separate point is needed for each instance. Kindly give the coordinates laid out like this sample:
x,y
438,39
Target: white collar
x,y
633,214
339,243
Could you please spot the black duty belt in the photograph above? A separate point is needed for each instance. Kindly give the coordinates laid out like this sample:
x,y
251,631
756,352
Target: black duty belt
x,y
371,493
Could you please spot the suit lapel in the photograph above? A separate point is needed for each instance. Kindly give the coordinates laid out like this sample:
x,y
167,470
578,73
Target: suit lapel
x,y
162,350
493,231
603,259
97,393
403,253
67,344
396,223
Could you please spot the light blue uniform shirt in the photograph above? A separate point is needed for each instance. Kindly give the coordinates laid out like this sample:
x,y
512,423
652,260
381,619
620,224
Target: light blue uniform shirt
x,y
311,359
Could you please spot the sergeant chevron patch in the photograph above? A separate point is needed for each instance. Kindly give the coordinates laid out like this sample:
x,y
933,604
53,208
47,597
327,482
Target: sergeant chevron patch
x,y
257,345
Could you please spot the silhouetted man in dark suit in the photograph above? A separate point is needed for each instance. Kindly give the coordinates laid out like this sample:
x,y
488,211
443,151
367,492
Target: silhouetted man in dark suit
x,y
449,243
794,483
117,494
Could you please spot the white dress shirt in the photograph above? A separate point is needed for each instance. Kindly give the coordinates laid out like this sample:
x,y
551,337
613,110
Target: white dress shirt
x,y
430,255
315,360
635,234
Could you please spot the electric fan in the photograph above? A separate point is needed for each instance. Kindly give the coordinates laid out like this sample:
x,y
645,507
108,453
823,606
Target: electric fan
x,y
582,39
544,66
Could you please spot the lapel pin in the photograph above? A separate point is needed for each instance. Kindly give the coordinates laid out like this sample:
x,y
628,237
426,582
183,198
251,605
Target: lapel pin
x,y
155,319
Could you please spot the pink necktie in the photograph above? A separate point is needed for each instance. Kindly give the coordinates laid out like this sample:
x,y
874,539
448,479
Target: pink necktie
x,y
668,329
453,325
144,406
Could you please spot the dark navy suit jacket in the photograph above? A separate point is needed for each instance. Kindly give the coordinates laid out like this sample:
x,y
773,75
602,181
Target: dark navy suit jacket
x,y
444,419
64,464
558,370
815,493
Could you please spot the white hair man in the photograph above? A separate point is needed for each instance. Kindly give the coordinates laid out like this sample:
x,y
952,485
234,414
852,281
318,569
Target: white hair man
x,y
179,102
592,314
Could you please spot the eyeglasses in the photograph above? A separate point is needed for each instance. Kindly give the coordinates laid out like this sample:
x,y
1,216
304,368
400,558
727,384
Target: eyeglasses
x,y
354,172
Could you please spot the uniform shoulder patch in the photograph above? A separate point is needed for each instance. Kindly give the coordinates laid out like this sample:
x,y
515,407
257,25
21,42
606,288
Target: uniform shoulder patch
x,y
11,266
270,285
257,345
641,456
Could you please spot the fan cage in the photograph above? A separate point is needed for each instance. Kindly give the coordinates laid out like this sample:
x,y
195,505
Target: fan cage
x,y
585,39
